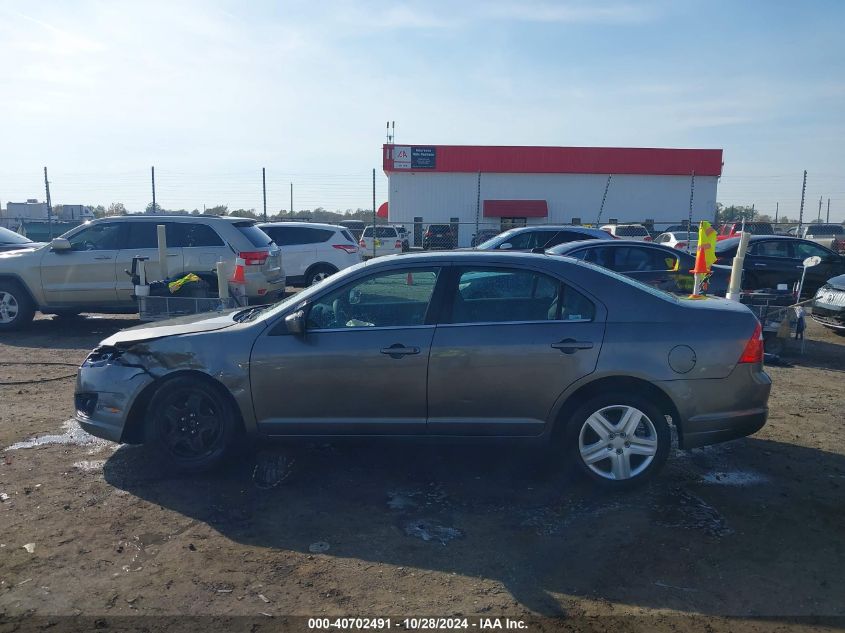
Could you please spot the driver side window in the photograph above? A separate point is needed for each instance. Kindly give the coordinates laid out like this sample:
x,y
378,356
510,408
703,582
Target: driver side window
x,y
389,299
97,237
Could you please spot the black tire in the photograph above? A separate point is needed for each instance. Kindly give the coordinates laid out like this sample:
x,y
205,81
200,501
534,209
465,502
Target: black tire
x,y
191,424
652,427
318,273
16,307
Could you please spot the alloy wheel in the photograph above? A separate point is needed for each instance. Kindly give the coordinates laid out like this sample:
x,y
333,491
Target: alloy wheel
x,y
618,442
319,277
8,307
190,424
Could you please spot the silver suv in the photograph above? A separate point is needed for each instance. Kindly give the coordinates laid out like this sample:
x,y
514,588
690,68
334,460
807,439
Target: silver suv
x,y
83,271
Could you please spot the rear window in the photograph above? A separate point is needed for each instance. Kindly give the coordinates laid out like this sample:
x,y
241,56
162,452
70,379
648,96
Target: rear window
x,y
195,235
253,233
631,231
348,236
825,229
294,235
381,231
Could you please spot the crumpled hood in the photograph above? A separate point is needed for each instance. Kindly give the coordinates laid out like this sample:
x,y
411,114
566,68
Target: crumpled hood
x,y
190,324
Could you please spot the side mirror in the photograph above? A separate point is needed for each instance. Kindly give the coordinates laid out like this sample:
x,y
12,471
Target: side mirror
x,y
505,246
59,244
295,322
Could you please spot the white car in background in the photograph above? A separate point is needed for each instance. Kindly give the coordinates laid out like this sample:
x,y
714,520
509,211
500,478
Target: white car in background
x,y
388,241
313,251
678,239
635,232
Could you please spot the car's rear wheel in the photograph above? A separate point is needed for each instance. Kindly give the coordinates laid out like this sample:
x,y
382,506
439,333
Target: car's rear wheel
x,y
619,440
191,424
319,273
16,308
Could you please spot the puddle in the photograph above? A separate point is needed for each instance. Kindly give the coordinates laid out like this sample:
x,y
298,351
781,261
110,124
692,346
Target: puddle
x,y
430,531
735,478
73,435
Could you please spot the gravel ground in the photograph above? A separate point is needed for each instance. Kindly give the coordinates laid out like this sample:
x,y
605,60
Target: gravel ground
x,y
730,537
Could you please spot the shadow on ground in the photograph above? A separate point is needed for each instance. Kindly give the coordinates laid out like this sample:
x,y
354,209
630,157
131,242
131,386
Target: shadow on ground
x,y
749,528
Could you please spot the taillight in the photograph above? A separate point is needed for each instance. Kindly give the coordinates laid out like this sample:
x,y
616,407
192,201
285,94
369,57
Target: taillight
x,y
254,258
753,352
398,244
681,245
362,243
428,234
647,238
349,248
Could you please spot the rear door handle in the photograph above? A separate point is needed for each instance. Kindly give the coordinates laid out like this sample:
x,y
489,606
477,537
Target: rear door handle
x,y
103,257
570,345
397,350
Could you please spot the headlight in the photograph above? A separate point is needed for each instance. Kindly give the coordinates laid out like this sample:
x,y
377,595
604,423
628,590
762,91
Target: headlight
x,y
102,356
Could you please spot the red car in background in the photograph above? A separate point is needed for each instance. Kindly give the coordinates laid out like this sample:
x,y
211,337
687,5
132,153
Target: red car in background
x,y
733,229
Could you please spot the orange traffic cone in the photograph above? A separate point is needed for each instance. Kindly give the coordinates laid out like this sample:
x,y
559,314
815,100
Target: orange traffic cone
x,y
238,274
700,262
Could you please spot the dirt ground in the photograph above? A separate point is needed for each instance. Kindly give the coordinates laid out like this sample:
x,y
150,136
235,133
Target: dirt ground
x,y
730,537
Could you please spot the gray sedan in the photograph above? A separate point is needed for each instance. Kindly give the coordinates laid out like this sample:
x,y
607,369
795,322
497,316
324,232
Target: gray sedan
x,y
452,344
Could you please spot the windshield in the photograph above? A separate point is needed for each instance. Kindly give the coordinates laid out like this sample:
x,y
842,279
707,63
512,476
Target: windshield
x,y
10,237
494,241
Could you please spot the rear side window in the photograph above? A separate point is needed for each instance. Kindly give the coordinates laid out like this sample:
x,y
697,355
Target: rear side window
x,y
491,295
347,235
629,260
253,233
145,235
825,229
296,235
194,235
773,248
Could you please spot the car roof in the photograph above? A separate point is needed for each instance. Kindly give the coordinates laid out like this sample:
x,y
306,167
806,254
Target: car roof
x,y
143,217
310,225
578,245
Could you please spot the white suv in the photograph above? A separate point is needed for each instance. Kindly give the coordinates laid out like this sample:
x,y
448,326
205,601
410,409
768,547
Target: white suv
x,y
312,251
388,241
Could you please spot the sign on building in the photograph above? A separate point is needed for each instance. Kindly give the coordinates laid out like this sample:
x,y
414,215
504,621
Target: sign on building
x,y
408,157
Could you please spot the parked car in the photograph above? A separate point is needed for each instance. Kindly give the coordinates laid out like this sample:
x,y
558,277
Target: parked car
x,y
829,305
628,231
482,236
831,236
559,351
84,270
387,241
355,227
527,238
439,237
656,265
312,251
11,241
681,240
778,259
733,229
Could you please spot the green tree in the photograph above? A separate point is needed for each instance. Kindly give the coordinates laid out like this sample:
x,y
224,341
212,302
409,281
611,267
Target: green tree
x,y
220,209
116,208
153,210
244,213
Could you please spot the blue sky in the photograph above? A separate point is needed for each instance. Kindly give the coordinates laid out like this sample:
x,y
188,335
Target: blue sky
x,y
210,92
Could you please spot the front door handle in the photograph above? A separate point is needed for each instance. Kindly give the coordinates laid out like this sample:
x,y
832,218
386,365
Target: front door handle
x,y
570,345
759,264
397,350
103,257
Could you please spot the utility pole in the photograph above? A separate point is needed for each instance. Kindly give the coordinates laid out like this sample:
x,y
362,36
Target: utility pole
x,y
49,204
374,212
828,211
777,208
153,173
691,197
603,199
819,218
264,190
291,199
801,210
477,206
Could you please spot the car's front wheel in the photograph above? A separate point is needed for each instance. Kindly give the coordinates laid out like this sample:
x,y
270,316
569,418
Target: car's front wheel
x,y
191,424
16,308
619,440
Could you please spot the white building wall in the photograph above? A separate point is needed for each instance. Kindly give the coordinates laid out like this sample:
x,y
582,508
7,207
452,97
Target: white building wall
x,y
437,197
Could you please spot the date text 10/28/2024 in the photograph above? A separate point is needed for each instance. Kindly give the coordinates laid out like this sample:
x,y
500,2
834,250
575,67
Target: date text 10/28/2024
x,y
416,624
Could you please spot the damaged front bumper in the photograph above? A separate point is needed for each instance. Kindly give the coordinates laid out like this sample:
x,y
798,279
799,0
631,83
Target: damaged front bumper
x,y
106,390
